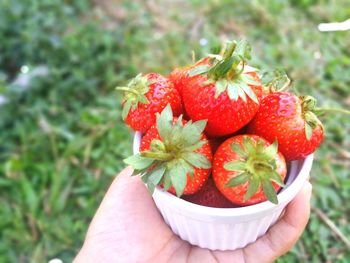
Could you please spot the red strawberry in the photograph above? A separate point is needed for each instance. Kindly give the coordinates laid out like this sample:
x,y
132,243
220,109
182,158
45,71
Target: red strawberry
x,y
174,154
291,121
248,170
226,94
210,196
145,96
179,76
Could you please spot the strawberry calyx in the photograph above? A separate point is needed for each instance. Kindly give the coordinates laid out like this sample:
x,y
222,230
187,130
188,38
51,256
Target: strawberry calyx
x,y
134,93
311,113
226,72
169,160
309,110
256,166
275,81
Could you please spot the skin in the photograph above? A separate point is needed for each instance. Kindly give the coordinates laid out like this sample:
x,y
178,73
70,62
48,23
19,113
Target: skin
x,y
127,227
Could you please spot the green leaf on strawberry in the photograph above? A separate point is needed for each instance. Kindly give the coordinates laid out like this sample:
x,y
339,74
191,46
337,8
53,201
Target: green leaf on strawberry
x,y
138,162
156,174
145,96
252,189
178,175
243,49
311,120
173,153
240,179
226,72
269,191
255,165
198,70
135,93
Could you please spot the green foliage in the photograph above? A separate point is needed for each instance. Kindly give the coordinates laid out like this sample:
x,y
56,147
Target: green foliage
x,y
62,139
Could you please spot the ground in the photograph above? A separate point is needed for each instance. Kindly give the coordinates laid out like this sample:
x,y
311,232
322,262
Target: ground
x,y
62,140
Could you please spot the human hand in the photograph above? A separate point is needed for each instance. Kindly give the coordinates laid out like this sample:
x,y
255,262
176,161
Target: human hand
x,y
127,227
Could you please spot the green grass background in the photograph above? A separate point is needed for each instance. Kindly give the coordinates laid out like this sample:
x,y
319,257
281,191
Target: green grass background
x,y
61,136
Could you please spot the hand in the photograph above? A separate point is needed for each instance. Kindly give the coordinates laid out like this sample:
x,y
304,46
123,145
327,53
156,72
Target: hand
x,y
127,227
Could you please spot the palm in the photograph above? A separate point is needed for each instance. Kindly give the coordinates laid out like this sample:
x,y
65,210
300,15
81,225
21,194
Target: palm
x,y
128,228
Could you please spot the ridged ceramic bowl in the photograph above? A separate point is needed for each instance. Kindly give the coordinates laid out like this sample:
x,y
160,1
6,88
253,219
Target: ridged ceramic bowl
x,y
227,228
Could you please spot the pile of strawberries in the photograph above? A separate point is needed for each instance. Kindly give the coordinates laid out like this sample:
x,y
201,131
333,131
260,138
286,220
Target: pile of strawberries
x,y
214,135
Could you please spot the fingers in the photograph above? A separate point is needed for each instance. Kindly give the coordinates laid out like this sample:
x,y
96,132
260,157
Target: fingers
x,y
123,177
123,192
122,187
125,173
126,203
284,234
126,221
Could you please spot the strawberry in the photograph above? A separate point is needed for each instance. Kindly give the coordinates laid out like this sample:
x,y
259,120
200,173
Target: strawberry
x,y
292,121
247,170
145,96
179,76
226,93
210,196
174,154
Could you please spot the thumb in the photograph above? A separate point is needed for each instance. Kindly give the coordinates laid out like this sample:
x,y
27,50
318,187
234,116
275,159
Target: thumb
x,y
126,196
124,223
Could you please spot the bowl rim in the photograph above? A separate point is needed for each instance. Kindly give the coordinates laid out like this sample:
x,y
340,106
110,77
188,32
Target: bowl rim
x,y
285,196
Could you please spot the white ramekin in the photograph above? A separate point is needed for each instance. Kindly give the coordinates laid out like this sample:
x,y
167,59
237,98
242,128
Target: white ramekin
x,y
226,228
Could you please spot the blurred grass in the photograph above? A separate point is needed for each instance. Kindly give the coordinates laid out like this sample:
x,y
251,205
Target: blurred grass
x,y
62,139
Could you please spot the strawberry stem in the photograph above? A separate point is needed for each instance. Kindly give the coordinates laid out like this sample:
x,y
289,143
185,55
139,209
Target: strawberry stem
x,y
321,111
309,114
286,84
230,48
227,72
193,55
278,79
